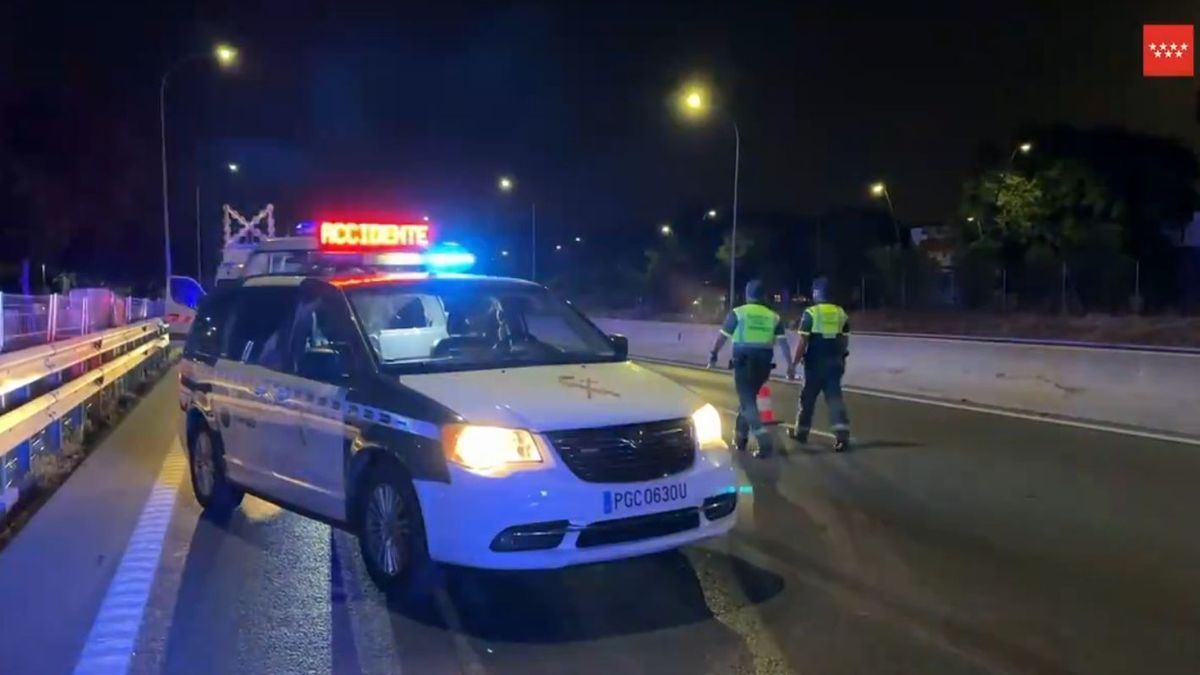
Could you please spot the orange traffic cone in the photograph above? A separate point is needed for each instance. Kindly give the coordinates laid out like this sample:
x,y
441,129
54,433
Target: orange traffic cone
x,y
766,412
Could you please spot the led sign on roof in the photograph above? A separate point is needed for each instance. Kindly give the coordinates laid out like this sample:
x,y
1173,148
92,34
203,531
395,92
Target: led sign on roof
x,y
359,237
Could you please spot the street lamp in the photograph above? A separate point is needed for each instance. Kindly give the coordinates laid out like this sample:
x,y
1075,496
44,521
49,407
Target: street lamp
x,y
879,189
558,247
506,185
578,240
1024,148
711,215
226,57
694,103
666,230
233,168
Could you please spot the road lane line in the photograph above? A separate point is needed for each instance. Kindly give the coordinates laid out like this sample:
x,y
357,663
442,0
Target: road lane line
x,y
468,658
1033,417
114,634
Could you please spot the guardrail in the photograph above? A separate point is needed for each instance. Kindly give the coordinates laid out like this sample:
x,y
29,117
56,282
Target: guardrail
x,y
49,393
30,320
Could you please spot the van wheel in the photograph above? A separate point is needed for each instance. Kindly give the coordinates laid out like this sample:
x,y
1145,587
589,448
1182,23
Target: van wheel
x,y
217,496
391,532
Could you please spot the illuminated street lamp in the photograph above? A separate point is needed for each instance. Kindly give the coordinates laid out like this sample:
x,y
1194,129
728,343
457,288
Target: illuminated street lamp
x,y
665,230
558,247
507,184
1023,148
233,168
879,189
695,103
504,253
578,240
711,215
226,56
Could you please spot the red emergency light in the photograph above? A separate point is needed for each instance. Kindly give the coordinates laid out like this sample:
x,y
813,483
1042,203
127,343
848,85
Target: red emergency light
x,y
343,237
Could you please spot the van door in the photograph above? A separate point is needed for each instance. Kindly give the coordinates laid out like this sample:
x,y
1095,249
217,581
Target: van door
x,y
253,350
322,360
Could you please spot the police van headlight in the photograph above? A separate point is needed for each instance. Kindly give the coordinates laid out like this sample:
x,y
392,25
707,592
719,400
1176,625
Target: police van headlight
x,y
489,449
707,422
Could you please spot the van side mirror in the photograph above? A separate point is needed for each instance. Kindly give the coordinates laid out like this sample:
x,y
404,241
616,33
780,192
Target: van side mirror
x,y
620,345
324,364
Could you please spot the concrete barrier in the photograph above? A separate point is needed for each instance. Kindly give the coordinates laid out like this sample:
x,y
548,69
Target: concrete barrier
x,y
1127,386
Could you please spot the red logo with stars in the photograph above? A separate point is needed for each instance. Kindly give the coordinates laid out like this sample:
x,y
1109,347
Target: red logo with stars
x,y
1167,51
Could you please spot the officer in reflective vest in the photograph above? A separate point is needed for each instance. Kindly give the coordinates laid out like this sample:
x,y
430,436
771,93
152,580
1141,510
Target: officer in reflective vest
x,y
823,348
754,330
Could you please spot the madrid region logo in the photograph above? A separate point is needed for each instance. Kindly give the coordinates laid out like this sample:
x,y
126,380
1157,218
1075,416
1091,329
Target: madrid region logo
x,y
1167,51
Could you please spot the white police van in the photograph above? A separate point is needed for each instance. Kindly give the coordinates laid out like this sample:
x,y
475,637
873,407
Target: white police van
x,y
444,417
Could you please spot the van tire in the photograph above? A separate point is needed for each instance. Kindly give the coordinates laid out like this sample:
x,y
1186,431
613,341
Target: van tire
x,y
206,463
391,531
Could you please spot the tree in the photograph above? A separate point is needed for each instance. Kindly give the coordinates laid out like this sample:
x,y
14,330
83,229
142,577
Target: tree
x,y
744,244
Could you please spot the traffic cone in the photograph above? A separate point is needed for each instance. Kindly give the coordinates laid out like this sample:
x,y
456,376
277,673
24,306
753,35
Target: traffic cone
x,y
766,412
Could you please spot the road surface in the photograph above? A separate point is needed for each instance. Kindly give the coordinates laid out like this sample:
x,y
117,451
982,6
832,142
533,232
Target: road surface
x,y
949,541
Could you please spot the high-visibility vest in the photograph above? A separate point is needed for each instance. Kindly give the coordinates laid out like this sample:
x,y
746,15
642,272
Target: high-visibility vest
x,y
828,320
756,325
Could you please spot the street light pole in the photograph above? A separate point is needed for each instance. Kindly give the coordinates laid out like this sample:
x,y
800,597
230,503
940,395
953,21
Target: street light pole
x,y
737,163
199,256
225,56
533,241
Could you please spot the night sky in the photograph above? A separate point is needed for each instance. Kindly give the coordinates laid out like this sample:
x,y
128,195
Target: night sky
x,y
420,106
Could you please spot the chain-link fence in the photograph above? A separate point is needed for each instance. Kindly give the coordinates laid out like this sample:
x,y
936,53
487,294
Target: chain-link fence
x,y
1121,287
30,320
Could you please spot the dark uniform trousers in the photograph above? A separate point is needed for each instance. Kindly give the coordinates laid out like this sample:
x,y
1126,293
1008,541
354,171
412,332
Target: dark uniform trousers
x,y
751,370
823,375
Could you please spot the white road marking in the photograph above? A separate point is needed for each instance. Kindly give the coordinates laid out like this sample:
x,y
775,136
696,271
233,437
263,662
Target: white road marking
x,y
114,634
1061,421
468,658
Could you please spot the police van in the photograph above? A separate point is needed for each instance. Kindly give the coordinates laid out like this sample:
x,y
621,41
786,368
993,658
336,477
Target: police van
x,y
441,416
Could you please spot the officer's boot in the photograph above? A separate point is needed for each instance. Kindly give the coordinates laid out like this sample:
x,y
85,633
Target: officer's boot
x,y
798,434
766,443
841,441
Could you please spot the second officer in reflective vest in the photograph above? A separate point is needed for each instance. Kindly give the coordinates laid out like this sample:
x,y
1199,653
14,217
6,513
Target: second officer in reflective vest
x,y
754,329
823,348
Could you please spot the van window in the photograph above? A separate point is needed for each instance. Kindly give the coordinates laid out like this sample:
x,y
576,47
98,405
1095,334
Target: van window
x,y
205,336
259,326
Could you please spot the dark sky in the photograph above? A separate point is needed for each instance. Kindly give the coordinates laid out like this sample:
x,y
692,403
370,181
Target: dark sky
x,y
419,106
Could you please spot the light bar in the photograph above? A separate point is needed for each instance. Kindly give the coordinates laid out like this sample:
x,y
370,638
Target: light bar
x,y
343,237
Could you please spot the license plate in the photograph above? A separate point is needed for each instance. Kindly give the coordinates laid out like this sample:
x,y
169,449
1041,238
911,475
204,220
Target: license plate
x,y
637,499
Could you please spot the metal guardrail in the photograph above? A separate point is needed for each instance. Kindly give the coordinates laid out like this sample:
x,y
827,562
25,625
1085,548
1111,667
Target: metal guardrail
x,y
48,394
30,320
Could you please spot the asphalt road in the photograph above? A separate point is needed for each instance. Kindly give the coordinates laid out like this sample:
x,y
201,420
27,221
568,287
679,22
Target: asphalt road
x,y
949,541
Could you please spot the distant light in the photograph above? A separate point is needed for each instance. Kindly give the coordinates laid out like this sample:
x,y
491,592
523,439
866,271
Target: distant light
x,y
226,55
425,218
878,189
1025,147
504,253
505,183
970,219
558,247
694,100
578,239
666,230
233,168
712,213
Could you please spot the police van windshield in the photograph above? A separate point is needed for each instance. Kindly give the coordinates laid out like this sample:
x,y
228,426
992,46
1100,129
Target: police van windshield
x,y
449,324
